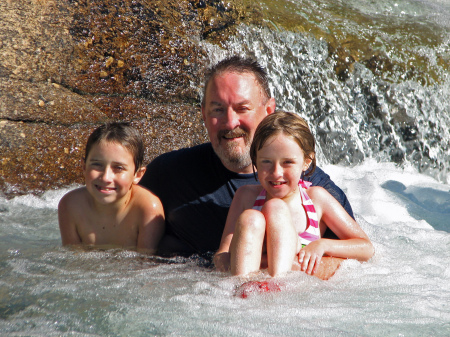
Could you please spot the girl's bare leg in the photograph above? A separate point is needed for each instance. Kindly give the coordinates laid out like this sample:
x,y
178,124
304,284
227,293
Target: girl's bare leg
x,y
246,245
282,237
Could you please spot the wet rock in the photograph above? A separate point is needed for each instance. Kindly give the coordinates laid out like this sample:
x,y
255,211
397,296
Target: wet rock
x,y
68,66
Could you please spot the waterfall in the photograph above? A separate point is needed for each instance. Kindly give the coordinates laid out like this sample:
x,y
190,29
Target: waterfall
x,y
393,106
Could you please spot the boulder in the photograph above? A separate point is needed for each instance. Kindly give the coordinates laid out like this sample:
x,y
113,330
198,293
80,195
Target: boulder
x,y
68,66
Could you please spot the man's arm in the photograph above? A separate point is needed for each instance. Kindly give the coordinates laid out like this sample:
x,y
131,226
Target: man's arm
x,y
320,178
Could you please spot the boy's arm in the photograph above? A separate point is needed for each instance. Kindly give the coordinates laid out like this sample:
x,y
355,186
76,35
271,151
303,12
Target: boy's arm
x,y
152,228
67,224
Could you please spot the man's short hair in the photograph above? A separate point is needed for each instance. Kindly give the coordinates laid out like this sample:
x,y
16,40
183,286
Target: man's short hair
x,y
239,65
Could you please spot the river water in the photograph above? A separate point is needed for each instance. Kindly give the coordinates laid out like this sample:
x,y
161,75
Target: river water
x,y
383,139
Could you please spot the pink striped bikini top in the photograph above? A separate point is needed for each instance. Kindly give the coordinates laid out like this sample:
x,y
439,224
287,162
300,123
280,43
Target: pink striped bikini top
x,y
312,231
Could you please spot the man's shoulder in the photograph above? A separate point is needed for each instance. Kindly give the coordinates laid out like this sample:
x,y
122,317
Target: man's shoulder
x,y
184,155
192,164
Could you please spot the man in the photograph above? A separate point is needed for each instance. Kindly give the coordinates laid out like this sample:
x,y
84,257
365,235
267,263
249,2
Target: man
x,y
196,185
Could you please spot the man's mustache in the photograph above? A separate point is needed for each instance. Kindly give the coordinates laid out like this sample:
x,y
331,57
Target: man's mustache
x,y
235,133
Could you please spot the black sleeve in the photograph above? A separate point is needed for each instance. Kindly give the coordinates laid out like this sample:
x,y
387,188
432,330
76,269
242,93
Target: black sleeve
x,y
320,178
149,180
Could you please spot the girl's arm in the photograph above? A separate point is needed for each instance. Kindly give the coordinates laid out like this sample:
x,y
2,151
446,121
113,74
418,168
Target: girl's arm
x,y
152,227
242,200
354,242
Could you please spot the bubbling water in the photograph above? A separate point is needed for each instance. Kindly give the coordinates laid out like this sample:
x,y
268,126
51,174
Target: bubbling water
x,y
366,121
46,289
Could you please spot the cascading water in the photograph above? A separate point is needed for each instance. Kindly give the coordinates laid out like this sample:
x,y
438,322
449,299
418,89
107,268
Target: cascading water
x,y
392,116
367,123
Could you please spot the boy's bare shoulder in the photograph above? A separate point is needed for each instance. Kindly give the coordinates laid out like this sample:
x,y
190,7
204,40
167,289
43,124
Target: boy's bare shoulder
x,y
144,197
74,198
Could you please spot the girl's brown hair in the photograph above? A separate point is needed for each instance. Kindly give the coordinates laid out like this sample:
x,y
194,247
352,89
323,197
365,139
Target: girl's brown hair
x,y
289,124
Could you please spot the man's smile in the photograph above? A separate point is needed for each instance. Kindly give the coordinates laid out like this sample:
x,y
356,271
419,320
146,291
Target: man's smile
x,y
233,134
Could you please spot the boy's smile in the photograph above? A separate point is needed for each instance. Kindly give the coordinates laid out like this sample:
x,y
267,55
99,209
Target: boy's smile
x,y
109,172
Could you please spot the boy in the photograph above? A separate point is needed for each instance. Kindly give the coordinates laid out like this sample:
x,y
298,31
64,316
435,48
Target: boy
x,y
112,210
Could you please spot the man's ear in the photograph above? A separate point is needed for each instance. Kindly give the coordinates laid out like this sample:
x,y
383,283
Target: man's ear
x,y
270,105
139,174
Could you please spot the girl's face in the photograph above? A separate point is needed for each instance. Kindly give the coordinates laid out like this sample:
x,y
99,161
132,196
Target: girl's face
x,y
280,163
109,172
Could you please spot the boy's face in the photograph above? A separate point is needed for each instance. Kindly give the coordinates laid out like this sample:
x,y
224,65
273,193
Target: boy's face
x,y
109,172
280,163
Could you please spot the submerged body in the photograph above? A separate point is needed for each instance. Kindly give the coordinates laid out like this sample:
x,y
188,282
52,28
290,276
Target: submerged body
x,y
112,209
82,221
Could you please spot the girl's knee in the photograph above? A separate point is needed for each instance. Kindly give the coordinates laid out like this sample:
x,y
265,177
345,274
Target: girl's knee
x,y
275,208
251,219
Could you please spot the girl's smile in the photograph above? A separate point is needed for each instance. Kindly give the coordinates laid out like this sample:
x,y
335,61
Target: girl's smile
x,y
280,163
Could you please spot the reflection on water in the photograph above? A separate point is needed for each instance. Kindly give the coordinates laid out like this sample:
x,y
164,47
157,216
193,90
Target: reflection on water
x,y
425,203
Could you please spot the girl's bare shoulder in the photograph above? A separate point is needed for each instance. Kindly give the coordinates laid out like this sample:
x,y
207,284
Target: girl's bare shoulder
x,y
315,192
249,190
245,196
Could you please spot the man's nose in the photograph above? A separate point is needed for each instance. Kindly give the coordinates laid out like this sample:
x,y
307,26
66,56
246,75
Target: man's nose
x,y
231,119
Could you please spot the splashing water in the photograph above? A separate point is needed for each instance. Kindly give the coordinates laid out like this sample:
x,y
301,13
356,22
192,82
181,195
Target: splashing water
x,y
405,289
394,116
366,124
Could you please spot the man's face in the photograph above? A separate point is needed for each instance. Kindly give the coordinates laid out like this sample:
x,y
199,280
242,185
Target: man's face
x,y
234,105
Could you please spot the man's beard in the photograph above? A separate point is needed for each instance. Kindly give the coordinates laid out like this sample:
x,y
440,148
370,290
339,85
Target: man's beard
x,y
230,153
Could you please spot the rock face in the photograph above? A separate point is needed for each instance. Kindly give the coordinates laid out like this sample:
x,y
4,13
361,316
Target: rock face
x,y
68,66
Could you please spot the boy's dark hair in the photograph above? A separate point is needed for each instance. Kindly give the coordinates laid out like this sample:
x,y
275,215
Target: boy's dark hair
x,y
289,124
122,133
239,65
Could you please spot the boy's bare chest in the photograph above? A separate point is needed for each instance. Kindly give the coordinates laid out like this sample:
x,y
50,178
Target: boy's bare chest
x,y
103,230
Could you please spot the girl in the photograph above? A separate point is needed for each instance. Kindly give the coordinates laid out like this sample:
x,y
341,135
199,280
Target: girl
x,y
112,210
282,220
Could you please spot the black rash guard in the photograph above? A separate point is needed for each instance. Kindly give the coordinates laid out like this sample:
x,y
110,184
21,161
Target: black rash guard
x,y
196,191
